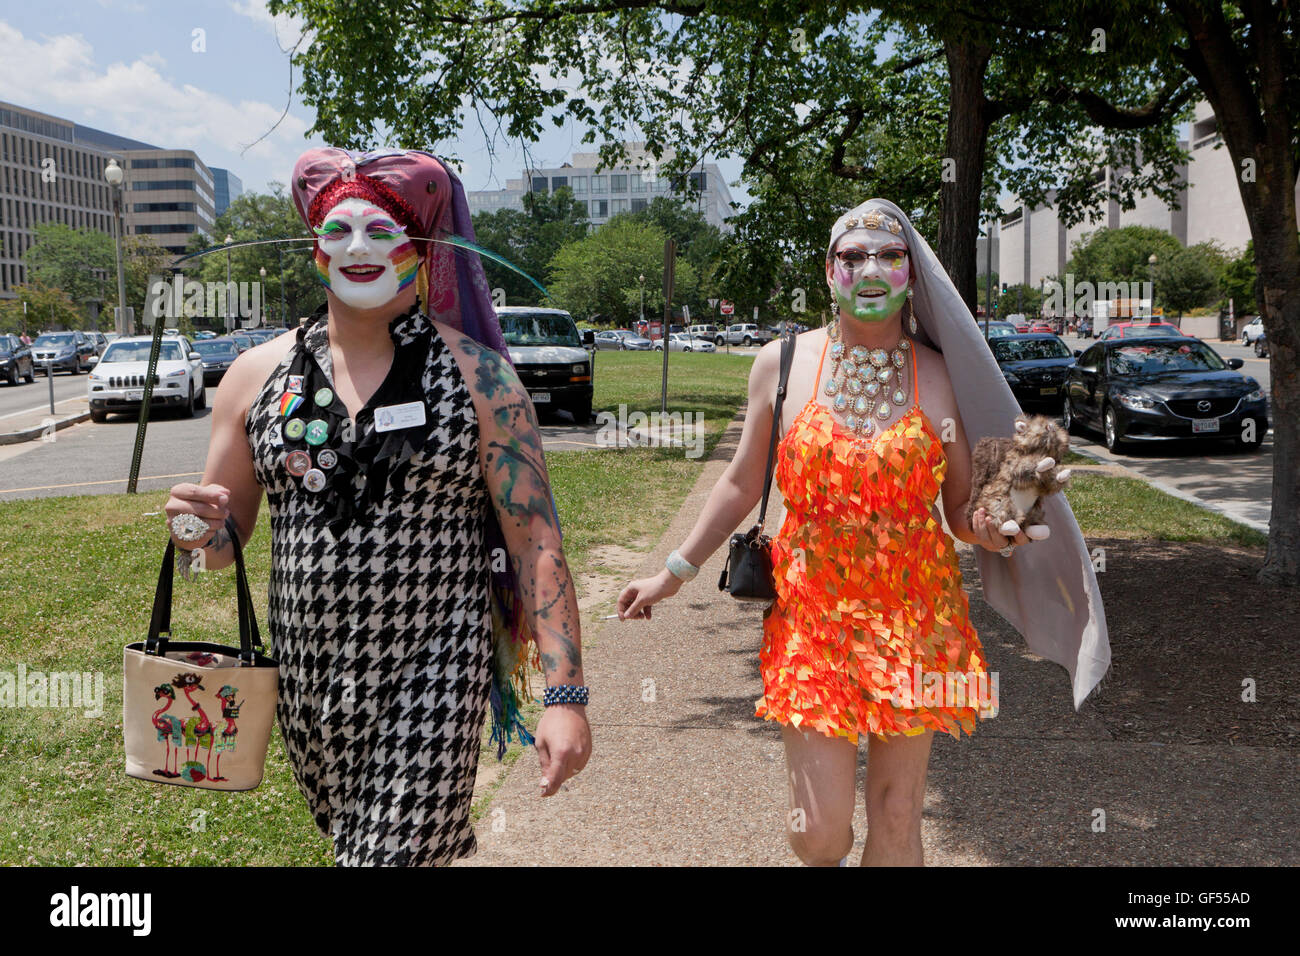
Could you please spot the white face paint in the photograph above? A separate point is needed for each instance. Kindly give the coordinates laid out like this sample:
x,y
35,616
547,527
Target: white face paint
x,y
362,255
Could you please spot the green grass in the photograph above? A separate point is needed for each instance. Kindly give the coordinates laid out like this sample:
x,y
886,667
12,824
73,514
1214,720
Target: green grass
x,y
77,578
1116,507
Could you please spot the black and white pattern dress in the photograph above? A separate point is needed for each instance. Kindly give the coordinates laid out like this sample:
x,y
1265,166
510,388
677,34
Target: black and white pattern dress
x,y
381,626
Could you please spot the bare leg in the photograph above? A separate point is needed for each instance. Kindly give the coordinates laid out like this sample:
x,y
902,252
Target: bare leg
x,y
895,792
820,771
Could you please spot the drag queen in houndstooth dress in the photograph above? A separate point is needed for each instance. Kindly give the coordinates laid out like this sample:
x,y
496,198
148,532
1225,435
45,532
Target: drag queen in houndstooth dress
x,y
384,648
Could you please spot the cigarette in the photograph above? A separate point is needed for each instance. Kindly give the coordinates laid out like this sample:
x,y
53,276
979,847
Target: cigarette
x,y
609,617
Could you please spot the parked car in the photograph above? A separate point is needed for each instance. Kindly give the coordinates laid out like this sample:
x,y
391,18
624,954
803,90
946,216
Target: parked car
x,y
622,339
1041,327
16,363
996,328
1130,330
117,383
1158,388
549,358
1261,345
1252,330
204,334
1035,366
708,330
65,351
743,333
260,335
217,357
242,340
682,342
100,342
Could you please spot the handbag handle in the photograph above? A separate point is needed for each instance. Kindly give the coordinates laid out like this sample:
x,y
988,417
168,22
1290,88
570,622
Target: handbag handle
x,y
160,623
787,359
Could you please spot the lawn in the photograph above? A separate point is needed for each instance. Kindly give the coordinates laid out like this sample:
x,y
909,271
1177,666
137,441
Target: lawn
x,y
76,584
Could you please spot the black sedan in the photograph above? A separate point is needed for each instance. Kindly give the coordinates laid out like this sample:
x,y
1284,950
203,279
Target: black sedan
x,y
218,355
1160,388
16,360
1035,365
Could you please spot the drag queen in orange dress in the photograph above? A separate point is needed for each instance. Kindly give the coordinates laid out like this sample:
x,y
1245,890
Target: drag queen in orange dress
x,y
870,633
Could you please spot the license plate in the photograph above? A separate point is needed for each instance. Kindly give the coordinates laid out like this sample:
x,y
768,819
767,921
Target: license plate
x,y
541,397
1047,391
135,394
1204,425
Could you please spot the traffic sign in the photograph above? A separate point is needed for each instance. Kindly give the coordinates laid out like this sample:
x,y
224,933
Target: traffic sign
x,y
727,307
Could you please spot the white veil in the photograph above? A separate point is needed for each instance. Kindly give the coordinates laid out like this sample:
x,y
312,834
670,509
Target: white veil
x,y
1047,590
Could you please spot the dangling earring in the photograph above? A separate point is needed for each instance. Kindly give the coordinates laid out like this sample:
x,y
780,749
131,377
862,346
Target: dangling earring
x,y
911,313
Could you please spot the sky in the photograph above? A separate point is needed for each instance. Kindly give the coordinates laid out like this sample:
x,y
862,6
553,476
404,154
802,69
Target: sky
x,y
131,67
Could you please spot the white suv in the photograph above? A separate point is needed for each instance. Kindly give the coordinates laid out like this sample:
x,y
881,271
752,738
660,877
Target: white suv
x,y
117,383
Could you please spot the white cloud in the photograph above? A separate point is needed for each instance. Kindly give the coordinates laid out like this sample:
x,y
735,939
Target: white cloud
x,y
138,100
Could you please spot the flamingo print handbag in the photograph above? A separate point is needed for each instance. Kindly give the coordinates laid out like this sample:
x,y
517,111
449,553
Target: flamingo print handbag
x,y
194,713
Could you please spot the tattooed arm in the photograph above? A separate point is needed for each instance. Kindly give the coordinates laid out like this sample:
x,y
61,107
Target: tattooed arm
x,y
510,452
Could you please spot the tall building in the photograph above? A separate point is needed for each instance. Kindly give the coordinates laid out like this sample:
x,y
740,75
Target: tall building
x,y
227,188
606,192
52,170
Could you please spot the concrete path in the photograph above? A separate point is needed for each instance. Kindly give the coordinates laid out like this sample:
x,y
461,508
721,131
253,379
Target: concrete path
x,y
682,773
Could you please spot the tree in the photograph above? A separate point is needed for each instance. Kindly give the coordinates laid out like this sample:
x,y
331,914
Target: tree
x,y
1109,256
289,266
47,308
529,239
1019,299
81,262
599,274
1237,284
1188,278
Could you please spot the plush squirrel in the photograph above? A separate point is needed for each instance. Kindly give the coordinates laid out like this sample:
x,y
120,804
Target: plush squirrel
x,y
1010,476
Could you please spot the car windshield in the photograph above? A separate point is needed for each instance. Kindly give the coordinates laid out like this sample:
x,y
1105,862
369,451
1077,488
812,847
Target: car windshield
x,y
1154,358
212,347
139,352
67,338
538,328
1026,350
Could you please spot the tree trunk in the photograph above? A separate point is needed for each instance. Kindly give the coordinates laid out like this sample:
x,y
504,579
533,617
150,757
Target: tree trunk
x,y
963,164
1248,94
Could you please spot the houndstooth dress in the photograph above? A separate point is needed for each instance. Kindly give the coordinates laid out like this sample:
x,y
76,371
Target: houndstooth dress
x,y
383,631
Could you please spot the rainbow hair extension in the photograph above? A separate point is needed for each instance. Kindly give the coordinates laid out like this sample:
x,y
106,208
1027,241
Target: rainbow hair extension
x,y
406,262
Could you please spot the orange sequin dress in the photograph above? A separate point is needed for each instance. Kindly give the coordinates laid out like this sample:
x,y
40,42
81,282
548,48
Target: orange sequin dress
x,y
870,631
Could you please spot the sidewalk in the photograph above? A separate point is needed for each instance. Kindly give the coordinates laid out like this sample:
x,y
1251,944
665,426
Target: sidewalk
x,y
682,773
31,425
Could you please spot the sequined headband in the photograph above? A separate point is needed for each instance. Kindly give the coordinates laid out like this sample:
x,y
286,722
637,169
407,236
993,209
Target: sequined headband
x,y
874,220
360,186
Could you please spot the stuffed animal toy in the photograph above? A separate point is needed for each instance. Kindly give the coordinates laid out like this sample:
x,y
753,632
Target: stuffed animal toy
x,y
1011,476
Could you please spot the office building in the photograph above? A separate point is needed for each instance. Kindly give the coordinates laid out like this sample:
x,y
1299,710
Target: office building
x,y
226,188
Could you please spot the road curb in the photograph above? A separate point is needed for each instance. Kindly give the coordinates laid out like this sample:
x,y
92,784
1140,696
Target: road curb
x,y
1219,509
30,434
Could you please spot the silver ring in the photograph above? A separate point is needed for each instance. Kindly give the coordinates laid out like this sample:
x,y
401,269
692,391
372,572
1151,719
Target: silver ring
x,y
1006,552
189,527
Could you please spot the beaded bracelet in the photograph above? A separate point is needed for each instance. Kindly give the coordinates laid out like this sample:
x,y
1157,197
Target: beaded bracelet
x,y
564,694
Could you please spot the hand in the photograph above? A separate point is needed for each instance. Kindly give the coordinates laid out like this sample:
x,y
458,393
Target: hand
x,y
210,502
639,595
563,742
990,538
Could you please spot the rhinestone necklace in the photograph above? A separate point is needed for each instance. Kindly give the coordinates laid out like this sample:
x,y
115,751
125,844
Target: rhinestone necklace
x,y
861,382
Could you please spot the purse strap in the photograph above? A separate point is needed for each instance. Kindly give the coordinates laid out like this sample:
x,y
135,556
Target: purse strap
x,y
787,359
160,623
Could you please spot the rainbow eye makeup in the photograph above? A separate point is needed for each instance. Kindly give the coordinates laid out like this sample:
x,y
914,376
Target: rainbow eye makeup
x,y
332,230
384,229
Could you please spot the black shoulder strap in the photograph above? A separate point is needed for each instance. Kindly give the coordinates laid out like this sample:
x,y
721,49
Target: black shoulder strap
x,y
787,359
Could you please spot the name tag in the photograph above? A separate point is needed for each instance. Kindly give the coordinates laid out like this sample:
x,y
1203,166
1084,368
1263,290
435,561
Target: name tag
x,y
390,418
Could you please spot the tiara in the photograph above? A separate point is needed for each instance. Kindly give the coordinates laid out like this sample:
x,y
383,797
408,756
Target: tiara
x,y
874,220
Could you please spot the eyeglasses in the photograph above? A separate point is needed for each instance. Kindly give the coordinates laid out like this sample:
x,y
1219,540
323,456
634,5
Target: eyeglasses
x,y
892,258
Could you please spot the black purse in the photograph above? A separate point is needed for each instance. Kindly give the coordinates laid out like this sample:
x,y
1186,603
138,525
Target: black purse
x,y
747,573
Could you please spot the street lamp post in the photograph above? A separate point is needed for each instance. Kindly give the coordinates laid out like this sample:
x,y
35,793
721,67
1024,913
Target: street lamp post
x,y
261,299
284,313
230,323
1151,269
114,175
641,279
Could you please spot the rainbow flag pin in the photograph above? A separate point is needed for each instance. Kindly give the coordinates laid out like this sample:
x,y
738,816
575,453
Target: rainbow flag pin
x,y
288,402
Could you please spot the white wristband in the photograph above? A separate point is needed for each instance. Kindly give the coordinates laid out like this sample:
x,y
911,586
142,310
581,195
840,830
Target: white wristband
x,y
679,567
